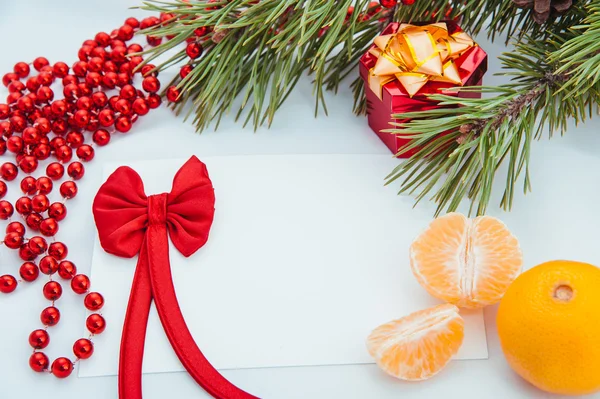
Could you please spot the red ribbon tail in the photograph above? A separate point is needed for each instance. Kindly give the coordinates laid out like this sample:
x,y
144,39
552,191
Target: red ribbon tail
x,y
134,331
181,339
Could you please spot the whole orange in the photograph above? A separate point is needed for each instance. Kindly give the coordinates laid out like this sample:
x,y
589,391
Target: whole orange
x,y
549,327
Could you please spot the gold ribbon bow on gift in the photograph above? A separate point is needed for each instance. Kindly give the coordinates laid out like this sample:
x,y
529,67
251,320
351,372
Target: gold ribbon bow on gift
x,y
417,54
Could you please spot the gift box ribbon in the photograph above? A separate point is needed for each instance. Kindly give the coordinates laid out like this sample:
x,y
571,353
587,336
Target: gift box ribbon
x,y
129,222
416,55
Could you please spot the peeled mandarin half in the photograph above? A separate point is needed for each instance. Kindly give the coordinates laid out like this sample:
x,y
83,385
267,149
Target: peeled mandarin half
x,y
420,345
467,262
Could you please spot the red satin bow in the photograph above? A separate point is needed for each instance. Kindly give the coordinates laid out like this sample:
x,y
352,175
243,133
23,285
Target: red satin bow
x,y
128,223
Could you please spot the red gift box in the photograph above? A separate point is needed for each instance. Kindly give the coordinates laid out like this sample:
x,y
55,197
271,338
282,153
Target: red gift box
x,y
471,66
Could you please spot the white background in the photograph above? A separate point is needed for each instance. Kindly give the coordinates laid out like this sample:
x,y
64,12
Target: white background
x,y
559,220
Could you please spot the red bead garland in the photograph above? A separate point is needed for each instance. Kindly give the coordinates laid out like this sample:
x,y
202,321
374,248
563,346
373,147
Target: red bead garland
x,y
36,126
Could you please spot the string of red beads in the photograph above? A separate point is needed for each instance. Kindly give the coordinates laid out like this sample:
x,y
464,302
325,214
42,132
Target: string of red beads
x,y
35,127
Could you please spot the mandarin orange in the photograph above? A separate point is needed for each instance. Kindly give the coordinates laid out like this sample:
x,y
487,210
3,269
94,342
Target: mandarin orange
x,y
420,345
467,262
549,327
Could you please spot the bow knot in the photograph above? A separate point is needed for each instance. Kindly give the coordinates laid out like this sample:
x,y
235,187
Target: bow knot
x,y
123,212
157,209
416,55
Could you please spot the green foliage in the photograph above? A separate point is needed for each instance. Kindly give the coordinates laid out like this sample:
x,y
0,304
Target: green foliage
x,y
462,148
257,52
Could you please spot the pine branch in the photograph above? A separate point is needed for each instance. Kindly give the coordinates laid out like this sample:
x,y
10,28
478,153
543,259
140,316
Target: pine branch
x,y
461,148
259,51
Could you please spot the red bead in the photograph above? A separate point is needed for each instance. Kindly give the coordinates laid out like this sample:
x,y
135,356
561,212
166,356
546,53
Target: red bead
x,y
61,367
60,70
40,203
44,185
80,284
149,70
31,136
58,250
18,123
76,170
59,108
8,78
83,348
49,227
40,62
48,265
55,170
45,94
148,22
125,32
408,2
28,185
99,99
15,145
21,69
110,80
70,80
33,221
84,52
75,139
33,84
133,22
4,111
140,106
151,84
173,94
7,284
193,50
106,117
57,211
45,78
84,103
9,171
71,91
185,70
81,118
13,240
6,129
123,106
12,98
154,101
57,142
16,227
201,31
23,205
101,136
93,301
3,151
38,362
64,153
52,290
154,40
39,339
3,189
67,270
59,126
102,38
95,323
50,316
28,164
25,253
68,189
37,245
29,271
80,68
42,151
123,124
6,210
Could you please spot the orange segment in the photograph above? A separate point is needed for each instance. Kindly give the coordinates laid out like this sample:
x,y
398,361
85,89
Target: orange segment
x,y
467,262
420,345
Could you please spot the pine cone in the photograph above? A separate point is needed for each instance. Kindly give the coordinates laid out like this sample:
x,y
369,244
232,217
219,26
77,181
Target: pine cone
x,y
543,8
